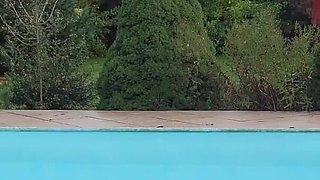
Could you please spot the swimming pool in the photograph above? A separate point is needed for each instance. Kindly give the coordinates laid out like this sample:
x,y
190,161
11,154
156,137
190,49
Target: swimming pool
x,y
148,155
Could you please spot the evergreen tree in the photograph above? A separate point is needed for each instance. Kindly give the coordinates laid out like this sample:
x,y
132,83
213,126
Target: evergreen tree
x,y
161,59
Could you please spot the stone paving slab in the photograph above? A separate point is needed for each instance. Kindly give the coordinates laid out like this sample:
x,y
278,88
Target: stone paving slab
x,y
160,119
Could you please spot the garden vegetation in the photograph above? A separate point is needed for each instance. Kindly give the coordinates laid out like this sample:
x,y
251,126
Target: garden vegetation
x,y
159,55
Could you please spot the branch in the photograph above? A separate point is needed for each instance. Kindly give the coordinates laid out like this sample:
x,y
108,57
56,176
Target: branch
x,y
24,9
43,9
52,11
15,34
48,26
13,9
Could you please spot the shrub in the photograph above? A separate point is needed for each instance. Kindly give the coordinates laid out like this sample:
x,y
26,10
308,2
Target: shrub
x,y
256,48
161,59
5,95
274,74
294,86
315,87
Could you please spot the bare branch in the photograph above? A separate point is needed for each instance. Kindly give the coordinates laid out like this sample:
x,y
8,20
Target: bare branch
x,y
19,37
48,26
13,9
52,11
43,9
24,9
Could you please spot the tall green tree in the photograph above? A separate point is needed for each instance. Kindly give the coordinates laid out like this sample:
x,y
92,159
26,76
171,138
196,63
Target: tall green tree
x,y
162,59
46,49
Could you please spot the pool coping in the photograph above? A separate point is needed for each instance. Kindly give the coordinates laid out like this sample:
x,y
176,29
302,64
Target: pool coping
x,y
159,121
196,130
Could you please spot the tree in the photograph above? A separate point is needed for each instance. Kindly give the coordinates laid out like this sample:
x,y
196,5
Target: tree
x,y
46,50
220,15
3,66
110,7
161,59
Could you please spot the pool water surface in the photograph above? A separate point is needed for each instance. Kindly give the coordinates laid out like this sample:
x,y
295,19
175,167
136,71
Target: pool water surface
x,y
112,155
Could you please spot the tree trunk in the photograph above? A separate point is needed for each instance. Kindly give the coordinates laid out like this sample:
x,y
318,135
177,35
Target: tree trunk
x,y
38,36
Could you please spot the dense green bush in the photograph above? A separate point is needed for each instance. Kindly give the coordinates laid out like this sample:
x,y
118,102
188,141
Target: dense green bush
x,y
274,74
161,59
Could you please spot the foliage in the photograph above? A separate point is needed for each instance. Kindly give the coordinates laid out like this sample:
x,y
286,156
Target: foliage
x,y
3,64
254,47
298,70
45,55
221,15
315,85
273,75
95,25
93,65
110,30
4,96
161,55
161,59
292,12
99,17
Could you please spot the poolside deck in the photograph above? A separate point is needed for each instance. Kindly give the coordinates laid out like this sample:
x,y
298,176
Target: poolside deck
x,y
160,119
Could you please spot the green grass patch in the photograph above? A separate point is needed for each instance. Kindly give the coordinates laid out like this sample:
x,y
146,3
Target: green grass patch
x,y
94,67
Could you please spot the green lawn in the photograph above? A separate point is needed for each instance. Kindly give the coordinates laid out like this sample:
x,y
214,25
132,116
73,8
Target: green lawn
x,y
94,67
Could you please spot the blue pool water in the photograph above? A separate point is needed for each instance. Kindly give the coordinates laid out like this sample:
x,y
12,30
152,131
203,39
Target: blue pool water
x,y
159,155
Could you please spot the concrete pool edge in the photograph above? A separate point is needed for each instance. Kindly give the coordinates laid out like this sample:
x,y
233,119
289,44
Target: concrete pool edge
x,y
198,130
160,120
